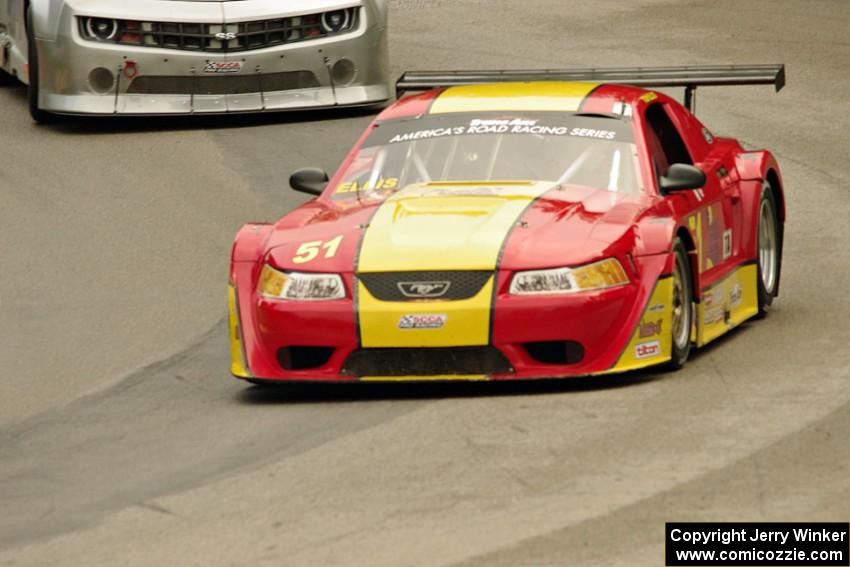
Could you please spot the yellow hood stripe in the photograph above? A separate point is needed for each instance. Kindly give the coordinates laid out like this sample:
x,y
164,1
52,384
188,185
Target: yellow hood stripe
x,y
423,228
542,96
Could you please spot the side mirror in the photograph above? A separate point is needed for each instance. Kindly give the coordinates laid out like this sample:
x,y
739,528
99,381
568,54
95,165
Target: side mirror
x,y
682,177
310,180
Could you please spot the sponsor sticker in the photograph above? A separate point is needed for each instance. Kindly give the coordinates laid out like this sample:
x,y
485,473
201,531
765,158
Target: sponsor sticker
x,y
422,321
714,315
508,127
736,294
657,308
713,297
223,67
727,243
647,349
368,186
462,124
650,328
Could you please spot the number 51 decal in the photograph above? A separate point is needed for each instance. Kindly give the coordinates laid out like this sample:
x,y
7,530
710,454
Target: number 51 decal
x,y
309,251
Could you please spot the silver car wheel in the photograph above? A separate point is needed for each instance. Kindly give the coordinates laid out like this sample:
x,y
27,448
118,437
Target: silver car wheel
x,y
768,245
681,308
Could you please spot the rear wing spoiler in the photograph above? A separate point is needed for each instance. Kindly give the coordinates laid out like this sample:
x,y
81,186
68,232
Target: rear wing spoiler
x,y
687,77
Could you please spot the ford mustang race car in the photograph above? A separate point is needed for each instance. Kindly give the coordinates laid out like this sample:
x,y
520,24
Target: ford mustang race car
x,y
512,225
185,56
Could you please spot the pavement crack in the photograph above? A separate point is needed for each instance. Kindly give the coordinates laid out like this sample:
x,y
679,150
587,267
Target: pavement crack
x,y
153,506
759,486
716,368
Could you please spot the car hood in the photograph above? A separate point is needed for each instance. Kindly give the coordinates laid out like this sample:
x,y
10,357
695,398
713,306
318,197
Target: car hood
x,y
204,11
440,226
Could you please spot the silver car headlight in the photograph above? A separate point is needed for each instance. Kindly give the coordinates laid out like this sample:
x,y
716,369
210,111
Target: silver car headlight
x,y
598,275
275,284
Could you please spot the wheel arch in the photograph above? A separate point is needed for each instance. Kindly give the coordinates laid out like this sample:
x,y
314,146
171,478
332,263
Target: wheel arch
x,y
773,178
687,239
249,242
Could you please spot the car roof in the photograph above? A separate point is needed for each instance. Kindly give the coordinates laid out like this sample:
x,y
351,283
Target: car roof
x,y
554,96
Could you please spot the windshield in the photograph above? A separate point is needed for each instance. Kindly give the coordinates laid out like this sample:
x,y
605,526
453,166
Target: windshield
x,y
591,151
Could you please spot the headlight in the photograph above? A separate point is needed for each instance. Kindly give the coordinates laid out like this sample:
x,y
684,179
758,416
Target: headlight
x,y
103,29
599,275
275,284
336,21
114,31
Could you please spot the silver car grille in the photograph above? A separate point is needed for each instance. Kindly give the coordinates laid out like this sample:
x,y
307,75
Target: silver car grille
x,y
223,84
224,38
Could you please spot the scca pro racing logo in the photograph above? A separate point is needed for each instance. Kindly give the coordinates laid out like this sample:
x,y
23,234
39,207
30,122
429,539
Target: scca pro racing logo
x,y
223,67
422,321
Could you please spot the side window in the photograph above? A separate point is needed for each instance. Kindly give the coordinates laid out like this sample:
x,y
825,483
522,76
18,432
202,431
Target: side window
x,y
665,143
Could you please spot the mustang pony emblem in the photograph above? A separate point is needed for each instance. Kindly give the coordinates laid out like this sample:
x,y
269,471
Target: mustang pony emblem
x,y
424,290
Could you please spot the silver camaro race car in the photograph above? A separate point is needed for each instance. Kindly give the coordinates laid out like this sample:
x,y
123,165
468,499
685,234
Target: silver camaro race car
x,y
106,57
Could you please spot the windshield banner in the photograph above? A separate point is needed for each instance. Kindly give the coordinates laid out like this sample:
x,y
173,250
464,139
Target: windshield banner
x,y
543,124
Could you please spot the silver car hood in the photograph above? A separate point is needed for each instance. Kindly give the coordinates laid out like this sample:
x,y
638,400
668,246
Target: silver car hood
x,y
203,11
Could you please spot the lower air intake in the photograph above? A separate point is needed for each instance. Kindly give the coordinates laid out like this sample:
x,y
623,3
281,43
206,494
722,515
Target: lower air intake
x,y
223,84
426,361
303,357
555,352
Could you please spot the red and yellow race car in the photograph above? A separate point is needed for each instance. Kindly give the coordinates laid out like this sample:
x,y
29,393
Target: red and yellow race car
x,y
512,225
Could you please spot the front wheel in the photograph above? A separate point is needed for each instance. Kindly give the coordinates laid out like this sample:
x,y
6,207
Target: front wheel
x,y
769,250
683,308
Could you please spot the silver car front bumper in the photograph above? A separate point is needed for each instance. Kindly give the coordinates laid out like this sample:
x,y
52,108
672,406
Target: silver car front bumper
x,y
152,80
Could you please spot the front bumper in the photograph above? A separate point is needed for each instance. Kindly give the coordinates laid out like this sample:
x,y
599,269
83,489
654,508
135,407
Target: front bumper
x,y
531,337
152,80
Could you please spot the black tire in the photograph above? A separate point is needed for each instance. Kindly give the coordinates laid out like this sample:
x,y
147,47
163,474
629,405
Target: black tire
x,y
768,249
32,91
683,307
6,79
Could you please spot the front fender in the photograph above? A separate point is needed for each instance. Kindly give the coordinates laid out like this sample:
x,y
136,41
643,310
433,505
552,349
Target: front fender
x,y
250,242
754,168
655,236
46,18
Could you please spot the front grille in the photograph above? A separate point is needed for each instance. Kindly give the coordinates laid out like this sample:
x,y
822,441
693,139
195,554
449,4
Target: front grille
x,y
433,285
225,38
223,84
426,361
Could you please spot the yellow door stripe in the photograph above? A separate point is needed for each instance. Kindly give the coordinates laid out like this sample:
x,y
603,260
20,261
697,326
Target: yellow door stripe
x,y
238,367
540,96
423,228
727,303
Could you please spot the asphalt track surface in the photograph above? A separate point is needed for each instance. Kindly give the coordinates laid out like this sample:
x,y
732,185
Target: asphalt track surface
x,y
123,440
